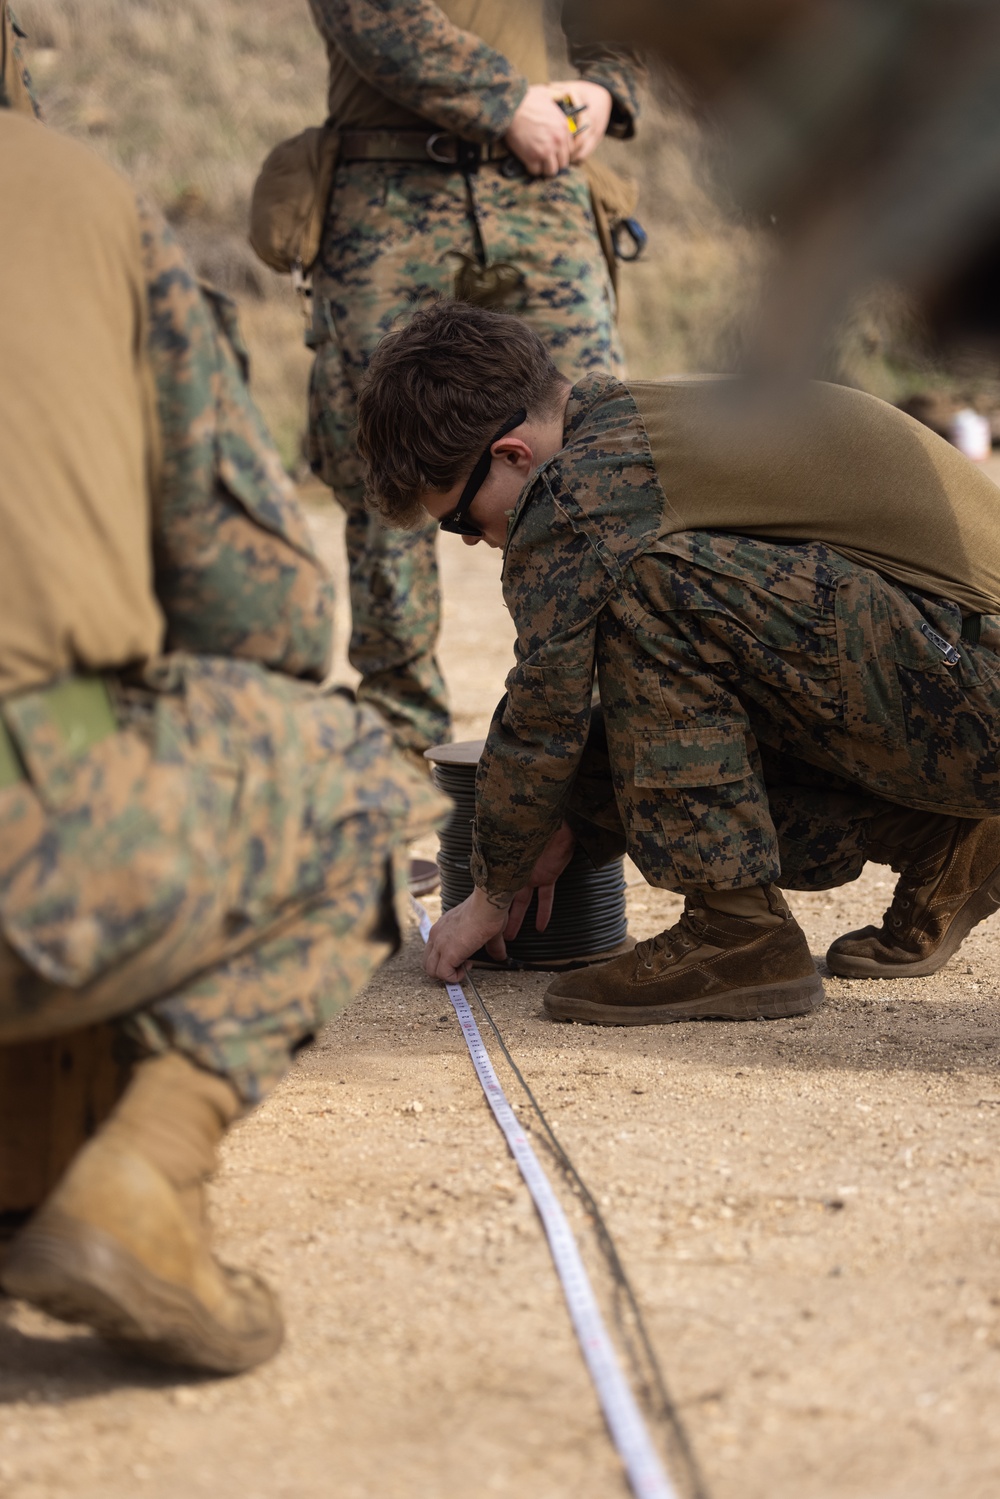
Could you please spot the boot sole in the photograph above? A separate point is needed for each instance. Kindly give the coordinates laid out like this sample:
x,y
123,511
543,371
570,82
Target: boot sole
x,y
981,904
761,1002
77,1273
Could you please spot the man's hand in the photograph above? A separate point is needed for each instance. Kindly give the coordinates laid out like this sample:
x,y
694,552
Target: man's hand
x,y
548,867
539,132
592,124
460,932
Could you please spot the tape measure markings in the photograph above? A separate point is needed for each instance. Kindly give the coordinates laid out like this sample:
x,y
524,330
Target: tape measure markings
x,y
624,1419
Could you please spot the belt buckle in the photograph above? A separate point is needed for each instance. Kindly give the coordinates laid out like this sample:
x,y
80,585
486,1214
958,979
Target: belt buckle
x,y
431,147
467,155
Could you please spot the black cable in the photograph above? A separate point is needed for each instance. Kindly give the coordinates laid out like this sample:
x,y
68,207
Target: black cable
x,y
668,1411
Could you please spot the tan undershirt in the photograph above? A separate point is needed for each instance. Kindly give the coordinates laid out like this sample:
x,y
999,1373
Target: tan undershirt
x,y
76,423
827,464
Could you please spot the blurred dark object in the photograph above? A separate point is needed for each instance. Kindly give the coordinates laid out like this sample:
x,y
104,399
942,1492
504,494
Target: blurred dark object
x,y
423,878
53,1095
866,131
933,408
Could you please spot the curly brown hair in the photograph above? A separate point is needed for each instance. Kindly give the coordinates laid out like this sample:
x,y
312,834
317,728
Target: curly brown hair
x,y
434,394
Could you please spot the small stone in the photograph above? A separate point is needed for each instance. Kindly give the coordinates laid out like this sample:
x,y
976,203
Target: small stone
x,y
414,1107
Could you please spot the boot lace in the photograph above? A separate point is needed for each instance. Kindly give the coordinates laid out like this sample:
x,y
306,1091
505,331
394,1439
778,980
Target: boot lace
x,y
924,871
667,947
900,914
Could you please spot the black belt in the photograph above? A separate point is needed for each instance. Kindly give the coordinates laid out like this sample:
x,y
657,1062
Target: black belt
x,y
972,628
416,145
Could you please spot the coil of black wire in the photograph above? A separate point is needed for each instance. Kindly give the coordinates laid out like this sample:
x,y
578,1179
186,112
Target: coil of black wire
x,y
588,911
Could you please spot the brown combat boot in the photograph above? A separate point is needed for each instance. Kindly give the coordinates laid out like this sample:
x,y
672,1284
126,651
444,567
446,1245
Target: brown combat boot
x,y
121,1244
949,870
713,965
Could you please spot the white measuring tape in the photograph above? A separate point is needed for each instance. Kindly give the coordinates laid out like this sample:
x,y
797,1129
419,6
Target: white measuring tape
x,y
625,1423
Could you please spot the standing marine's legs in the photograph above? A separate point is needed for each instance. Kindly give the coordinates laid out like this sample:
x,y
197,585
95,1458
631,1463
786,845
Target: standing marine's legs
x,y
395,238
385,250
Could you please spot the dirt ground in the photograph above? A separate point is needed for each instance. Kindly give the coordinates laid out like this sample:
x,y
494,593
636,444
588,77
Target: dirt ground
x,y
809,1209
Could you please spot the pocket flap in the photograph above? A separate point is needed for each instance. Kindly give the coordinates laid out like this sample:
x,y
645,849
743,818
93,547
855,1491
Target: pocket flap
x,y
106,872
699,755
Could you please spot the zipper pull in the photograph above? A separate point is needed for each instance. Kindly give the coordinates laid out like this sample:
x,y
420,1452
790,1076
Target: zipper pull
x,y
951,656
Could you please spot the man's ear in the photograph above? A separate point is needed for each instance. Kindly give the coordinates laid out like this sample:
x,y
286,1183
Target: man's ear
x,y
515,452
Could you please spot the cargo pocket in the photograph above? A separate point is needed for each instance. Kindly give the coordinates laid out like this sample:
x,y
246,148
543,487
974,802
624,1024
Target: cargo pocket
x,y
107,869
699,755
893,658
543,699
698,814
527,708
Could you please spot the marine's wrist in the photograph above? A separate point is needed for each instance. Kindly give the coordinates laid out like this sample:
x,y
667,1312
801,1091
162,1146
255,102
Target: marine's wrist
x,y
498,900
505,107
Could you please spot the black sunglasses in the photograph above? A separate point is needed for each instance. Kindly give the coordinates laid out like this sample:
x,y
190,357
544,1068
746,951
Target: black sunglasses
x,y
455,520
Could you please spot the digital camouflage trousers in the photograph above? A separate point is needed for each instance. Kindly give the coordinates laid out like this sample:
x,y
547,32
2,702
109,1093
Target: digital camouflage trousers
x,y
396,238
763,702
220,871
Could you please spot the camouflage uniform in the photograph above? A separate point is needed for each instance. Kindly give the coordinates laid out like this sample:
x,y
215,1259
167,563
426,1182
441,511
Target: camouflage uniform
x,y
396,236
762,701
217,866
15,80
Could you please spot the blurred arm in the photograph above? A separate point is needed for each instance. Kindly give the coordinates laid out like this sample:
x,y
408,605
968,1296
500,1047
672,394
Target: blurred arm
x,y
234,567
618,69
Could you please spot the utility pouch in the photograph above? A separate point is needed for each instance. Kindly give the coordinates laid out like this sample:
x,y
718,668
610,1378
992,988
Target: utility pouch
x,y
290,197
497,286
614,200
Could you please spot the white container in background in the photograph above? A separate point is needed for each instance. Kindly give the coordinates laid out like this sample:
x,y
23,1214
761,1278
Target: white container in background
x,y
970,433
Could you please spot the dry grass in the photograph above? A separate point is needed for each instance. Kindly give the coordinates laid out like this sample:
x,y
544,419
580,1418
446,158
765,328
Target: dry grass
x,y
187,97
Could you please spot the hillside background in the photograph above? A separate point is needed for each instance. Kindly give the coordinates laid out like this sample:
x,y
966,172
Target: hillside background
x,y
188,96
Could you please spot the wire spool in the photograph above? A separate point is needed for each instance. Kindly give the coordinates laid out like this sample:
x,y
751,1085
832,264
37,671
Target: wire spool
x,y
588,922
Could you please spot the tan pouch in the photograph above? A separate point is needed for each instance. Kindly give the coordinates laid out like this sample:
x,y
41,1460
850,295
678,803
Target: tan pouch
x,y
613,198
290,197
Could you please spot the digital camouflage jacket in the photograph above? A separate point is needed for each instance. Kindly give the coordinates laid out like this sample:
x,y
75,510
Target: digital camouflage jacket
x,y
578,525
713,632
420,58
